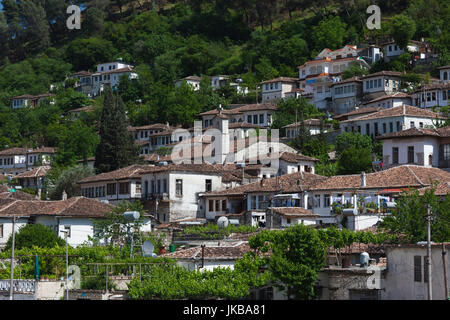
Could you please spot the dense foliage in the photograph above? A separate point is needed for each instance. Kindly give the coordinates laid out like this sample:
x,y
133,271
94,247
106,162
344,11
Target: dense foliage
x,y
37,235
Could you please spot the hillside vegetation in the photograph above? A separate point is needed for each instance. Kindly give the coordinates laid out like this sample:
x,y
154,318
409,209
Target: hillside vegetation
x,y
167,40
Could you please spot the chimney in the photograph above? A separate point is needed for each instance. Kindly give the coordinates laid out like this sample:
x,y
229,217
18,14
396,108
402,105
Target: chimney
x,y
64,195
363,179
220,108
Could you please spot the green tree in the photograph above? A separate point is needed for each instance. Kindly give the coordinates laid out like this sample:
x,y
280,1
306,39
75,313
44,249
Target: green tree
x,y
408,222
60,180
329,33
402,29
116,148
355,160
35,235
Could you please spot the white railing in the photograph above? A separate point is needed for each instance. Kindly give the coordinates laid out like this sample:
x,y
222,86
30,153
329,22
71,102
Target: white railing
x,y
20,286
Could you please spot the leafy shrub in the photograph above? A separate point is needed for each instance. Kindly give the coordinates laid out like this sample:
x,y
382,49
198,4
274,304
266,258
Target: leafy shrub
x,y
35,235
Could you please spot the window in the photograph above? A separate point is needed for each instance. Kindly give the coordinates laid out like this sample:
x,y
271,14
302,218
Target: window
x,y
67,229
255,118
217,205
317,202
124,188
138,187
211,205
376,128
395,155
288,221
412,124
411,154
208,185
433,96
1,230
446,151
224,205
261,118
384,127
368,129
391,127
417,268
179,187
164,185
253,202
398,125
421,124
158,186
249,119
326,200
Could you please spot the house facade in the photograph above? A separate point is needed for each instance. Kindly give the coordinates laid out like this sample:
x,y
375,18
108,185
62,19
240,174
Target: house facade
x,y
276,89
421,146
346,95
25,101
14,161
391,120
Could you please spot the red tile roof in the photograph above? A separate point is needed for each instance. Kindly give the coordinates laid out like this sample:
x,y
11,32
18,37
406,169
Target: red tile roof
x,y
212,253
36,172
281,79
294,212
396,177
417,132
398,111
119,174
72,207
241,109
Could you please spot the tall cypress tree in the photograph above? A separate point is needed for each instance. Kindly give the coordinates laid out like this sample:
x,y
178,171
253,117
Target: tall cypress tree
x,y
116,149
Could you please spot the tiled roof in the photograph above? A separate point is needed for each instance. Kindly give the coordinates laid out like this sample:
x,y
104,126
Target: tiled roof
x,y
357,248
294,212
295,157
309,122
193,168
417,132
236,125
194,78
398,111
5,193
36,172
442,189
293,182
150,126
400,176
389,96
444,67
13,151
212,253
358,111
82,109
73,207
42,150
432,86
119,174
328,60
383,73
243,108
281,79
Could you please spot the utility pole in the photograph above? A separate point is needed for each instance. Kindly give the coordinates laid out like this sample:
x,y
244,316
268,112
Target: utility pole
x,y
66,233
444,264
11,286
430,293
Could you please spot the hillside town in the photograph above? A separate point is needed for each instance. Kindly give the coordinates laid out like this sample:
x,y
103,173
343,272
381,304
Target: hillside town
x,y
330,181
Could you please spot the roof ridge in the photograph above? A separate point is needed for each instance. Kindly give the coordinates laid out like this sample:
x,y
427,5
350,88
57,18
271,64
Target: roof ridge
x,y
8,205
415,176
70,205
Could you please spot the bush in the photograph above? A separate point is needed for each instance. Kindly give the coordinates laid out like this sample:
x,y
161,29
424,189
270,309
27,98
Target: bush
x,y
36,235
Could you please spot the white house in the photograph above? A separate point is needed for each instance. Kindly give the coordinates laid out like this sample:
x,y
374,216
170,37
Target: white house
x,y
407,277
193,81
34,178
380,83
392,50
364,194
426,147
432,95
172,191
17,160
391,120
317,76
258,114
390,100
27,100
313,126
346,94
114,186
73,215
276,89
444,73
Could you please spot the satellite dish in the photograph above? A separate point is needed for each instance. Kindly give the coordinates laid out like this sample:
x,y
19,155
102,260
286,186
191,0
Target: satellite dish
x,y
147,248
131,215
222,222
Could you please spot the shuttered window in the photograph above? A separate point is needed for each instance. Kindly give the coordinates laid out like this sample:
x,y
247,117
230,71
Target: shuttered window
x,y
418,268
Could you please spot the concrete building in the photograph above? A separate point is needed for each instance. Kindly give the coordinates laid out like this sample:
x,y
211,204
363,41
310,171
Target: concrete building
x,y
380,84
276,89
73,215
171,192
14,161
432,95
193,81
421,49
346,95
389,101
391,120
26,100
421,146
114,186
312,125
406,276
444,73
